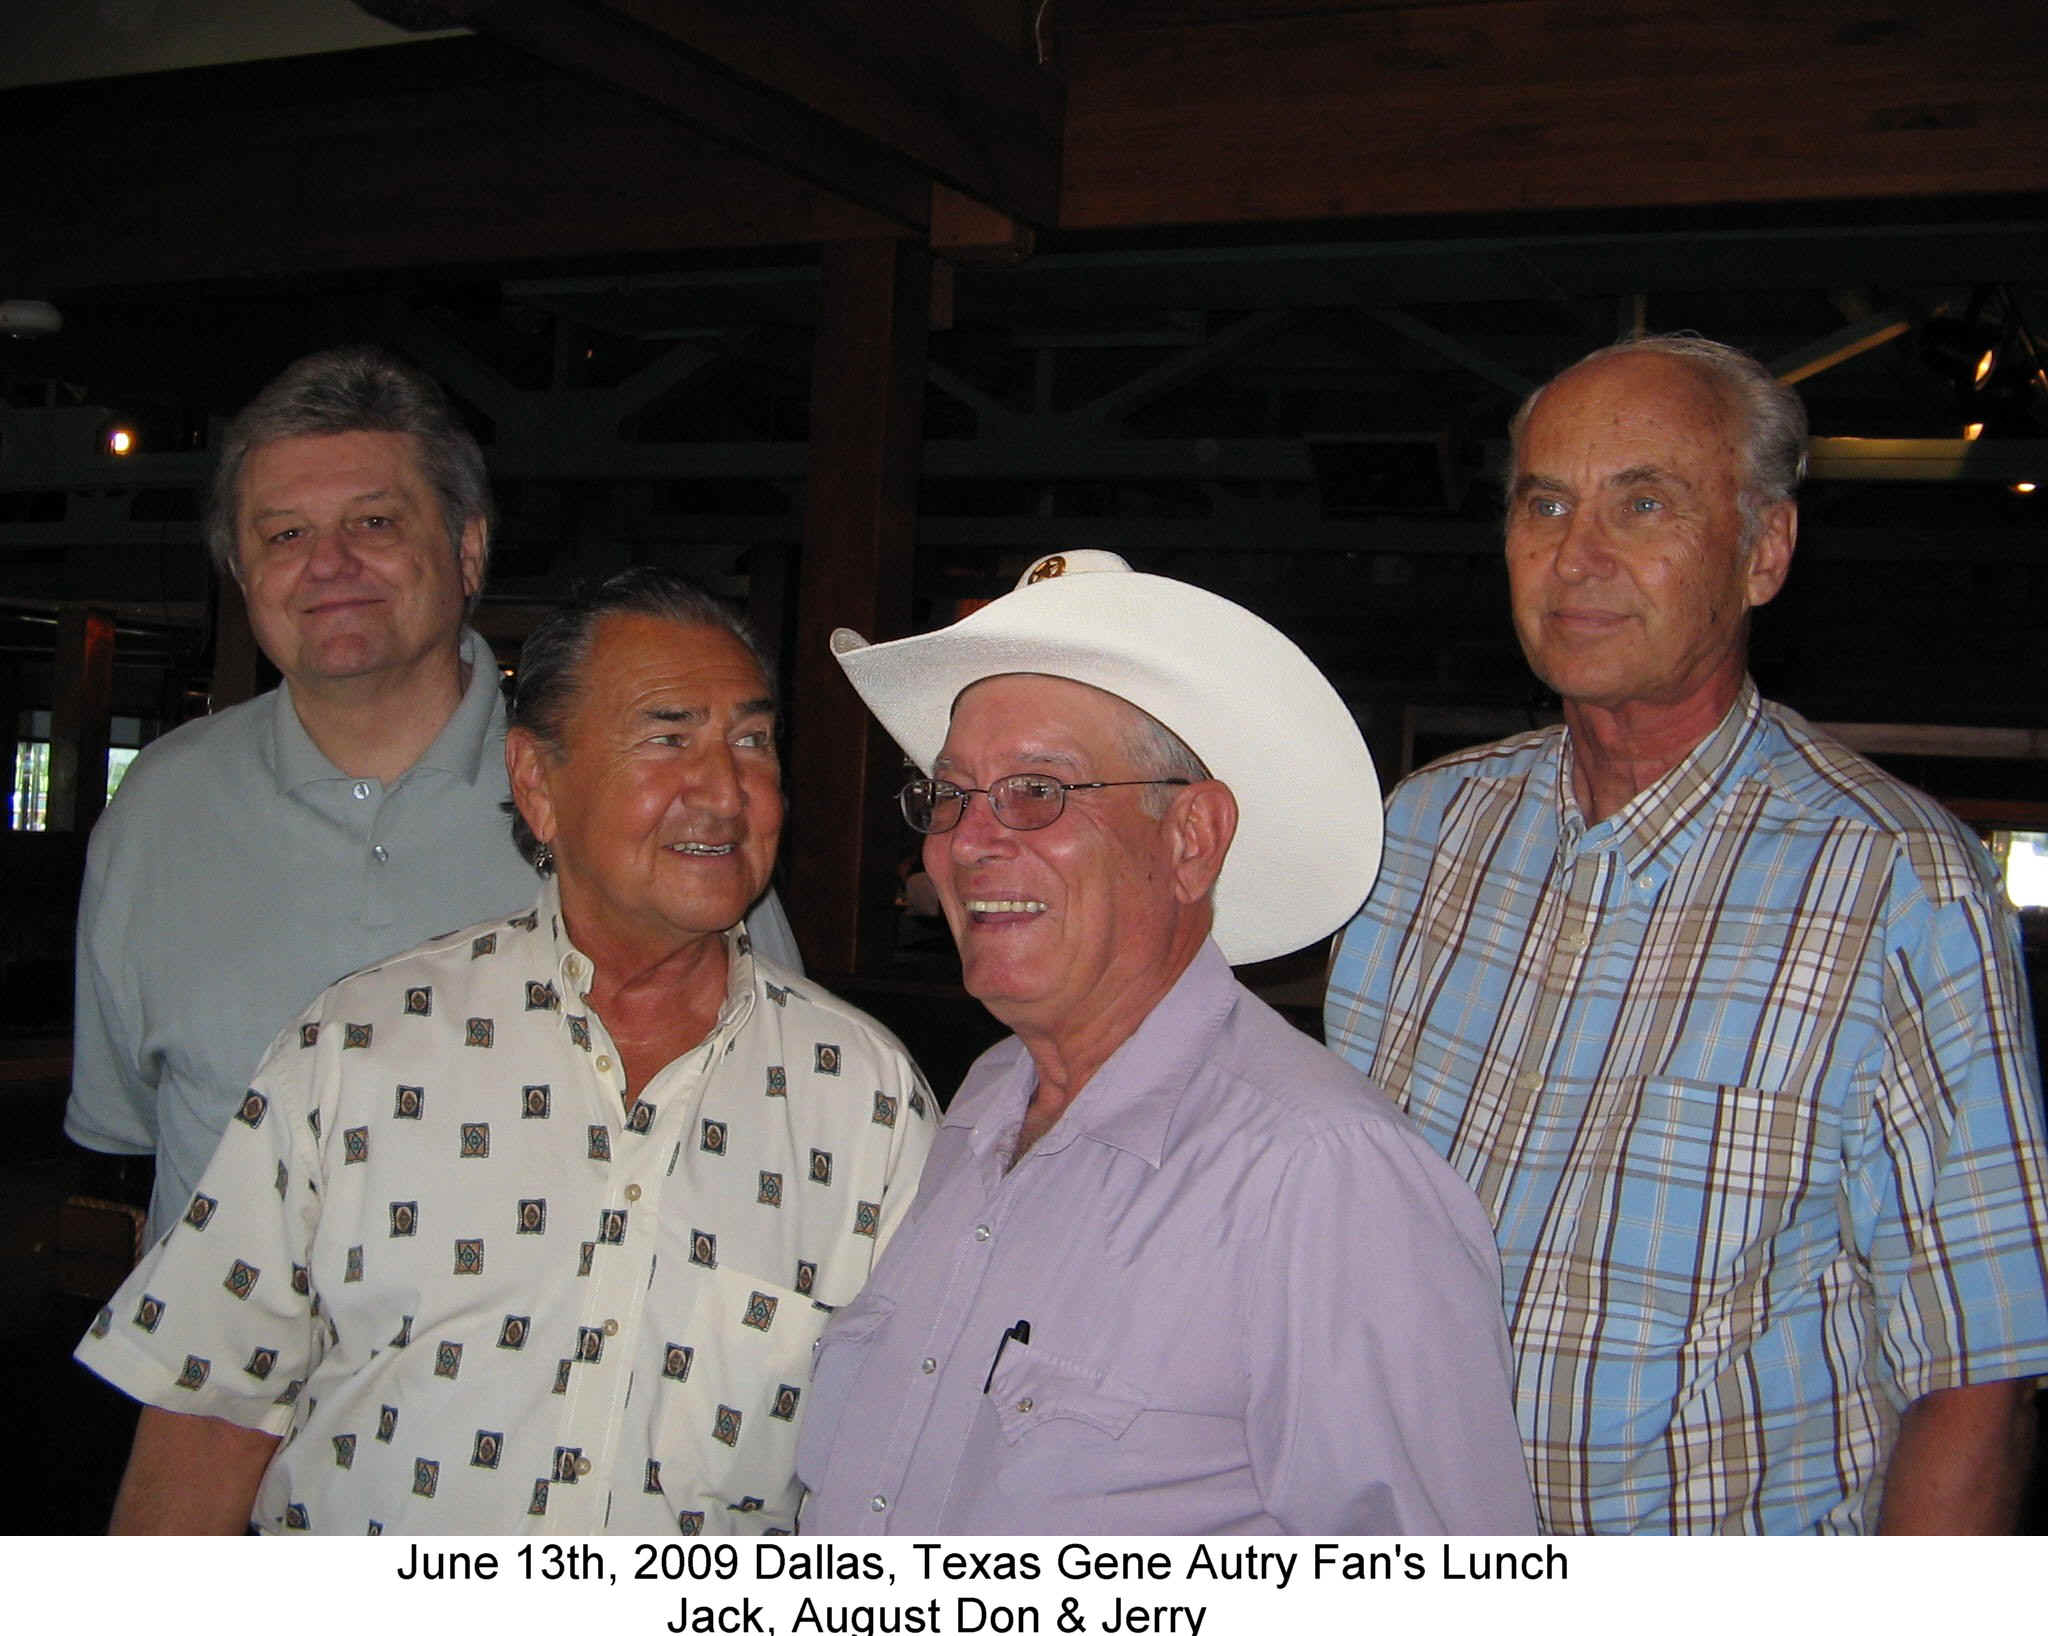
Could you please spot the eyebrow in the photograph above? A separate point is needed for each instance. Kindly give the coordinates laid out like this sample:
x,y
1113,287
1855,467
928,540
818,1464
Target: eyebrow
x,y
1033,758
373,496
697,715
1647,474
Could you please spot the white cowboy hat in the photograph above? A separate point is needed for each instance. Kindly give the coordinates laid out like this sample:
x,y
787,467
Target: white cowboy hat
x,y
1243,697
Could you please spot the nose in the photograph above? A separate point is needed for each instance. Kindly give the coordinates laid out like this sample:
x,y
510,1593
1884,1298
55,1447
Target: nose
x,y
715,785
979,834
331,554
1583,551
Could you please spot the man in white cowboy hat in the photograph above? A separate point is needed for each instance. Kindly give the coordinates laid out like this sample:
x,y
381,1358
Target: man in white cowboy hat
x,y
1172,1267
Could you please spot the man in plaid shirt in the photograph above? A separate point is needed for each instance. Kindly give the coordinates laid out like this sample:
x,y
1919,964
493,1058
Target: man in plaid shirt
x,y
1725,1026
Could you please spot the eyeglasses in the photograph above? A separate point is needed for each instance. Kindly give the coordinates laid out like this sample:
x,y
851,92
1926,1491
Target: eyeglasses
x,y
931,806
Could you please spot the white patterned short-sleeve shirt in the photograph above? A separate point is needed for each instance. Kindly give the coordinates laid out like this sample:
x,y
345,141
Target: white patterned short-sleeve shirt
x,y
474,1293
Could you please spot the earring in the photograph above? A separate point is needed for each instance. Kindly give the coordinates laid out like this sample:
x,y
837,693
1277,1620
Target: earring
x,y
543,857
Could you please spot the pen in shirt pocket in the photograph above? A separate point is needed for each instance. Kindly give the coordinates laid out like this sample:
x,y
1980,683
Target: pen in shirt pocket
x,y
1020,1332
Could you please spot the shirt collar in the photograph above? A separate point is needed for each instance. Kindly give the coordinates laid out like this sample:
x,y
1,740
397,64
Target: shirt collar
x,y
458,749
1131,1101
573,968
1661,823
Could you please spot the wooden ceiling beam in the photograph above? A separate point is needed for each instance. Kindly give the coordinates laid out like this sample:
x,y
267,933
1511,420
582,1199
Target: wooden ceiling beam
x,y
1243,111
873,103
443,154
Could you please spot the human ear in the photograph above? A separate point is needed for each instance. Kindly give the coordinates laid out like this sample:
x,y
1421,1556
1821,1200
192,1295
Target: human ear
x,y
1770,557
526,771
471,555
1202,823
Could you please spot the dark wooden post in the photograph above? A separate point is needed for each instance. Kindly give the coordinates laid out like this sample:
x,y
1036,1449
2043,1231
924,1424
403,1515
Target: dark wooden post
x,y
80,716
10,736
235,655
867,413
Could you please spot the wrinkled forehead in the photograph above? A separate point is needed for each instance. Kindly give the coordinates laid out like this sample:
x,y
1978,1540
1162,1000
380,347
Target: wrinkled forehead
x,y
1022,710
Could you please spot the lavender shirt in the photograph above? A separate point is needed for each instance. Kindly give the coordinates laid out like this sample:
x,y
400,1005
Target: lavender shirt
x,y
1257,1302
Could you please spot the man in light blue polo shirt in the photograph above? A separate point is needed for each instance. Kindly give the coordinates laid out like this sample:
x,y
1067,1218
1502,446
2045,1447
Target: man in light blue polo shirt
x,y
255,856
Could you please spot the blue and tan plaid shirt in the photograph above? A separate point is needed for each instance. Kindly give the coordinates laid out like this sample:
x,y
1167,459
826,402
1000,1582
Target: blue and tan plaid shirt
x,y
1745,1077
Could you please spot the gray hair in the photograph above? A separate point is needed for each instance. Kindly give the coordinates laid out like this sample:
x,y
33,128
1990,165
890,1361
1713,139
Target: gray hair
x,y
354,389
553,659
1772,419
1156,751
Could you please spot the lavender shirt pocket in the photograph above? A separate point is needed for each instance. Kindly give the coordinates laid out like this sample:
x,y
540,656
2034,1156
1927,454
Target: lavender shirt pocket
x,y
1035,1389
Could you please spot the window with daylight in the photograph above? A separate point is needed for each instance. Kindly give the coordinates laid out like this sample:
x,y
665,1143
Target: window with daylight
x,y
30,807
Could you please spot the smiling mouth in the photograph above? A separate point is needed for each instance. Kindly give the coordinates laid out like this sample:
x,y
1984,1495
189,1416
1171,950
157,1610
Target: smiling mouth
x,y
342,605
702,849
1003,906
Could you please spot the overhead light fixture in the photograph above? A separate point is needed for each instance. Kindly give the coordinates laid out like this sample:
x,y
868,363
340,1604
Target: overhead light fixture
x,y
2024,487
1965,349
1973,431
121,440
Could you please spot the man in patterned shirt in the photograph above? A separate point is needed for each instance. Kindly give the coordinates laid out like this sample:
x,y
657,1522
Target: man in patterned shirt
x,y
532,1228
1724,1025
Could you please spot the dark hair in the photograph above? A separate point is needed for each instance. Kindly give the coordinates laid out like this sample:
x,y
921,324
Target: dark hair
x,y
1771,420
354,389
552,660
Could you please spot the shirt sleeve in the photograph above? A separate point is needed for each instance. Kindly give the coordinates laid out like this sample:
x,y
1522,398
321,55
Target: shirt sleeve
x,y
1949,1193
1380,1401
219,1319
1363,959
112,1108
916,1123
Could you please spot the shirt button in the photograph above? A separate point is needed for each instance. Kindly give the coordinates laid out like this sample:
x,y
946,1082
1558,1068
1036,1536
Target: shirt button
x,y
583,1465
929,1365
632,1192
878,1503
981,1234
1571,942
604,1064
380,854
361,792
611,1326
1025,1405
1531,1081
575,967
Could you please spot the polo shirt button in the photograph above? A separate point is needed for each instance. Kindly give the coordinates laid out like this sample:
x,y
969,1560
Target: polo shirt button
x,y
632,1192
604,1064
361,791
574,965
380,854
1571,942
1530,1081
878,1503
981,1234
1025,1405
583,1465
611,1326
929,1365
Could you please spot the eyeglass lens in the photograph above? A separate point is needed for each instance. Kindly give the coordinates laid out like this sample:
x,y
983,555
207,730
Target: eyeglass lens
x,y
1020,801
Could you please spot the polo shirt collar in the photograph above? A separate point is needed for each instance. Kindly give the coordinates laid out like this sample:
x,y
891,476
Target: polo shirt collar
x,y
458,749
1661,823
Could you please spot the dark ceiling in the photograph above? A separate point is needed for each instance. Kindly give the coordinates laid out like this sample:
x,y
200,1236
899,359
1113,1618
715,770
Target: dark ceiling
x,y
1304,413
